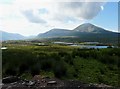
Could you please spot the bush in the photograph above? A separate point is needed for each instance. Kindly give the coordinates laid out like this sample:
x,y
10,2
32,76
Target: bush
x,y
60,70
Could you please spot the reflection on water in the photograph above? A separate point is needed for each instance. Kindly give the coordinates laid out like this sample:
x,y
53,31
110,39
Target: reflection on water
x,y
90,46
4,48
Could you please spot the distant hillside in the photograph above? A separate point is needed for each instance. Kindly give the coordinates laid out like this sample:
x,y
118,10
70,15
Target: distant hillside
x,y
55,33
90,28
84,32
10,36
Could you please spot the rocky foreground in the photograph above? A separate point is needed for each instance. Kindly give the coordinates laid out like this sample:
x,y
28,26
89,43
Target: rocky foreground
x,y
39,82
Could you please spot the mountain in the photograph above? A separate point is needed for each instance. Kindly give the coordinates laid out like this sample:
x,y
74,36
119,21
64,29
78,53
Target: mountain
x,y
10,36
55,33
87,27
82,33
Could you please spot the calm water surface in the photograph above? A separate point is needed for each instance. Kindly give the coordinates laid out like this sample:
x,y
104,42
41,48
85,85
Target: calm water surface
x,y
90,46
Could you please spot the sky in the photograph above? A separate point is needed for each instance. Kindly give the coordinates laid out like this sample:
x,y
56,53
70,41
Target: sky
x,y
31,17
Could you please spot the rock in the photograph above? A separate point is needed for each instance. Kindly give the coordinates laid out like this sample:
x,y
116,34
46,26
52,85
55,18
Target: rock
x,y
51,83
30,83
10,79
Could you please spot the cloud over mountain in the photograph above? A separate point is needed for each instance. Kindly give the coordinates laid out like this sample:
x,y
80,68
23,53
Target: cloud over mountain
x,y
65,11
62,11
81,10
41,15
32,17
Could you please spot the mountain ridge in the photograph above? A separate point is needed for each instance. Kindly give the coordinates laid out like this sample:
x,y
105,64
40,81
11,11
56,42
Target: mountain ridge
x,y
83,28
88,27
83,32
10,36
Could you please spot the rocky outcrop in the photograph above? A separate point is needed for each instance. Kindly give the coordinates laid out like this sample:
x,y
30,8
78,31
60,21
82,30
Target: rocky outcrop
x,y
39,82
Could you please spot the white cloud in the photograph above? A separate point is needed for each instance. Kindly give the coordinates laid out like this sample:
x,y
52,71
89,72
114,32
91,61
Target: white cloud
x,y
32,17
79,10
25,17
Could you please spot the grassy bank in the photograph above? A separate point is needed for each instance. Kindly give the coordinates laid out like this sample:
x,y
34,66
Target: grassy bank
x,y
64,62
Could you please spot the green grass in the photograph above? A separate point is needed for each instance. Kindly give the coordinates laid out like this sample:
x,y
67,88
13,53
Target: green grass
x,y
64,62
